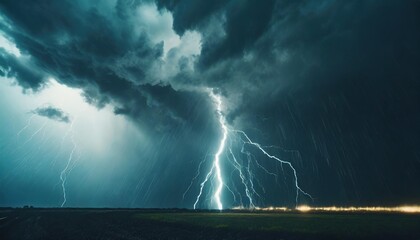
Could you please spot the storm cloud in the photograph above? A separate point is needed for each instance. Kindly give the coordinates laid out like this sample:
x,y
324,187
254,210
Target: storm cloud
x,y
52,113
103,49
337,80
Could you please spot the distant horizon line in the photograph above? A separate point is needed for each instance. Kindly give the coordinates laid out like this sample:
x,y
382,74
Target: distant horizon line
x,y
302,208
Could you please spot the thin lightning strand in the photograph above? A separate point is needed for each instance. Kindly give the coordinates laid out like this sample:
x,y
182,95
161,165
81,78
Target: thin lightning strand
x,y
63,174
241,175
195,177
265,169
257,163
202,186
27,125
230,190
62,143
251,175
294,152
234,186
34,134
298,189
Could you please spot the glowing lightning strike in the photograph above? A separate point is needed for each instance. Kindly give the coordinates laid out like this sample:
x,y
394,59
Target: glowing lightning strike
x,y
63,174
216,162
220,151
247,180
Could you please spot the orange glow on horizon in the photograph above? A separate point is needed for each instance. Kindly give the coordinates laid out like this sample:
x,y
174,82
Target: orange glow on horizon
x,y
401,209
306,208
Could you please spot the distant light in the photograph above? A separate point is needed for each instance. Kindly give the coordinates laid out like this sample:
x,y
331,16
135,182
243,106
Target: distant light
x,y
402,209
284,209
410,209
305,208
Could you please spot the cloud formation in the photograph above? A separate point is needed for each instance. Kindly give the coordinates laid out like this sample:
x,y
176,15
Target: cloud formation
x,y
117,53
52,113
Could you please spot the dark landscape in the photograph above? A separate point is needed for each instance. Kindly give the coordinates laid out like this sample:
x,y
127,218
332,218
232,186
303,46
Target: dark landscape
x,y
33,223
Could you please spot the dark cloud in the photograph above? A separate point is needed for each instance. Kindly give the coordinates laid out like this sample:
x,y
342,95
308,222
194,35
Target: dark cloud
x,y
243,22
246,21
52,113
189,14
28,75
93,47
339,82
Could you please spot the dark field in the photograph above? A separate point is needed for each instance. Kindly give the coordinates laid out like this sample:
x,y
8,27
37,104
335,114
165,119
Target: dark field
x,y
183,224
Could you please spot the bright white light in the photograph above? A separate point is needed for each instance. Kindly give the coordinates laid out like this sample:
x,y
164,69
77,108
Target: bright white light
x,y
216,161
219,151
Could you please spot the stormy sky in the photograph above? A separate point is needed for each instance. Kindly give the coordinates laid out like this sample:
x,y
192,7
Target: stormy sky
x,y
335,85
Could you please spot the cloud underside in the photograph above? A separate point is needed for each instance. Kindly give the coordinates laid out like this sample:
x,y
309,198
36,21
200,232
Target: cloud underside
x,y
151,59
130,53
52,113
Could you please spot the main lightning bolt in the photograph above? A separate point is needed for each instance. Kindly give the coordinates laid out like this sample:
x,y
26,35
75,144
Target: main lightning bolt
x,y
64,173
216,170
216,162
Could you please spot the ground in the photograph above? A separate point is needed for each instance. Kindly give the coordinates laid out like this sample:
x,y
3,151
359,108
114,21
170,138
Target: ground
x,y
185,224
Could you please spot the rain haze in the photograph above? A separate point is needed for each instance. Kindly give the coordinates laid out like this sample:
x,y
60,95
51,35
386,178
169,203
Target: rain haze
x,y
209,104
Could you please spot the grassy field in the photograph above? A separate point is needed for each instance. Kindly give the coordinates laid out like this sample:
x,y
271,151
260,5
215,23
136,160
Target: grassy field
x,y
183,224
360,225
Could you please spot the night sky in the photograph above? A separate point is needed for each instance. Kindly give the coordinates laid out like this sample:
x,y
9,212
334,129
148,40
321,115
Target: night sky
x,y
113,100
